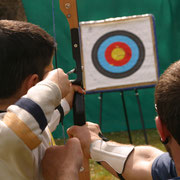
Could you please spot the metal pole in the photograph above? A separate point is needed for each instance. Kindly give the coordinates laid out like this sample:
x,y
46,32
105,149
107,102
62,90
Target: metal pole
x,y
141,115
126,117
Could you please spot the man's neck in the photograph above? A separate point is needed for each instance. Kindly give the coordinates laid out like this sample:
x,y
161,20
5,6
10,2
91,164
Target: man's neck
x,y
175,150
5,103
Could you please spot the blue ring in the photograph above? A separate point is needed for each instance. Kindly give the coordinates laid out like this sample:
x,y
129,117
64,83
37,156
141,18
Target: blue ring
x,y
118,69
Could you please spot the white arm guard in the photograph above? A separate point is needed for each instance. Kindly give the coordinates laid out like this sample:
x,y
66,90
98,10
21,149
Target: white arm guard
x,y
114,155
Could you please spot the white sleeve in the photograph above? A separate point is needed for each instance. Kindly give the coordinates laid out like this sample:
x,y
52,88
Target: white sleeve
x,y
16,161
55,120
31,114
65,106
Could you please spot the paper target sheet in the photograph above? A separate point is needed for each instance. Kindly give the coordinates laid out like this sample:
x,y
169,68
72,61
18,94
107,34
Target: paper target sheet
x,y
119,53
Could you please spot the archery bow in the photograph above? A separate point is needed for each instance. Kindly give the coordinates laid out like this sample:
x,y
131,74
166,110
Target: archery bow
x,y
69,8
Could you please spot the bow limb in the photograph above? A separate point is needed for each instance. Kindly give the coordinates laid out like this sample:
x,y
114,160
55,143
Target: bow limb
x,y
69,8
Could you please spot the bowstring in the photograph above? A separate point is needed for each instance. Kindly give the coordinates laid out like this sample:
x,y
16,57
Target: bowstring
x,y
56,64
54,34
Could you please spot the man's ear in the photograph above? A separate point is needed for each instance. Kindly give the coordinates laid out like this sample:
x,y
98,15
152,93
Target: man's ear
x,y
32,80
29,82
162,129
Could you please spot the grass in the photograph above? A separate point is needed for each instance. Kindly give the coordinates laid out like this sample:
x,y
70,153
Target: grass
x,y
99,173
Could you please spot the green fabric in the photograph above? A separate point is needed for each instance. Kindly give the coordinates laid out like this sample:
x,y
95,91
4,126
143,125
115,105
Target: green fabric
x,y
166,13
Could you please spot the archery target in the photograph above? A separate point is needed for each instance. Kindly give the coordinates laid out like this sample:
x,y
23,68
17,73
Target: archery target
x,y
119,53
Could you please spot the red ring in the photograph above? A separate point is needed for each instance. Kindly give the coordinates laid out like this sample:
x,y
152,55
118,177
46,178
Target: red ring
x,y
121,62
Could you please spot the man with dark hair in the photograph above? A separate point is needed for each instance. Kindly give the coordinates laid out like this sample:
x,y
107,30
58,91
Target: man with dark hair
x,y
142,162
25,49
26,53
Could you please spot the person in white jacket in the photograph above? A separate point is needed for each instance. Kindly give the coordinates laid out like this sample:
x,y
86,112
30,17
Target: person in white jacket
x,y
26,53
21,132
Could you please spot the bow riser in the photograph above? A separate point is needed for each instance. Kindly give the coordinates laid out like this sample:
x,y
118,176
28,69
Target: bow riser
x,y
78,103
69,8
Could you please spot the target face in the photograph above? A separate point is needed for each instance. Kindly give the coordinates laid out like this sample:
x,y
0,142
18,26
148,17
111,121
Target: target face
x,y
118,54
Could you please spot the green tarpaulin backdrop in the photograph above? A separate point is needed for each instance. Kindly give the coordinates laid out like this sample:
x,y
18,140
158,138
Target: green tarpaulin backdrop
x,y
166,13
